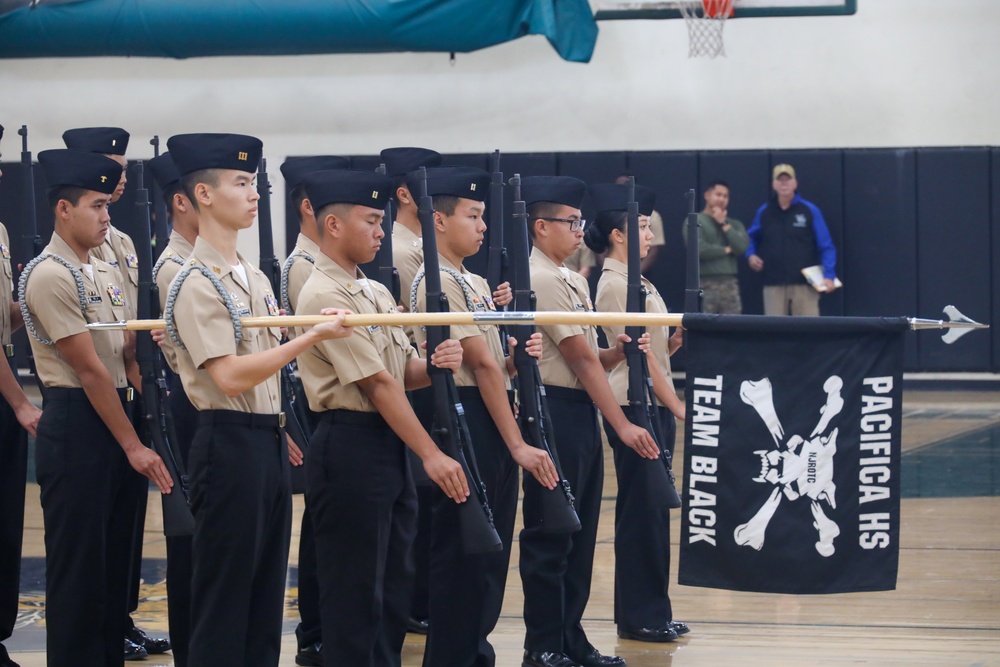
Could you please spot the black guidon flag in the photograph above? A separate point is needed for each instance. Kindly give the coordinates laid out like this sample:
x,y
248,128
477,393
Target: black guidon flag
x,y
791,453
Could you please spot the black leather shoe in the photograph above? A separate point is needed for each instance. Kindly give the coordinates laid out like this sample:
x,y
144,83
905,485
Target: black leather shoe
x,y
417,626
153,646
595,659
546,659
134,652
664,634
680,627
310,656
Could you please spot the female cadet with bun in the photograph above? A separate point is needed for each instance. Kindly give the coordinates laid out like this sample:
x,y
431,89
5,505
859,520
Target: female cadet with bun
x,y
642,528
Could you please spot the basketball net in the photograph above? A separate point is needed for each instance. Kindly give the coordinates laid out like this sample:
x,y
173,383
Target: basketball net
x,y
705,20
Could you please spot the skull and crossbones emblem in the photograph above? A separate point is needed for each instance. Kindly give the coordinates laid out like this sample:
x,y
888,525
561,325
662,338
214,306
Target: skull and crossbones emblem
x,y
796,467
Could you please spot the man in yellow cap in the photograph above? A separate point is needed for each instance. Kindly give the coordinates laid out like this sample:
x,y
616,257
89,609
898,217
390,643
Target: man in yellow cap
x,y
789,234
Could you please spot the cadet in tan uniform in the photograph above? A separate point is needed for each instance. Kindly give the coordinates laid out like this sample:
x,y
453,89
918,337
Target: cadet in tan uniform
x,y
466,591
359,481
184,222
239,460
86,441
407,247
17,418
556,569
642,515
119,251
408,257
294,273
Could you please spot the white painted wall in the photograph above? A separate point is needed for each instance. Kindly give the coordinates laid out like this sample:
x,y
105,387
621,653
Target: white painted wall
x,y
898,73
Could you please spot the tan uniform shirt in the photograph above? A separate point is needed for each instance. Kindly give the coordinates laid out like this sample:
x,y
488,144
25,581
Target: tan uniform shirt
x,y
300,269
203,322
558,288
179,248
480,291
119,251
298,273
407,257
6,291
54,306
611,298
331,369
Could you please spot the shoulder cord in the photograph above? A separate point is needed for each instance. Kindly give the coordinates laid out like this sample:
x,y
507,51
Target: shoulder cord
x,y
22,284
164,258
285,269
175,288
454,274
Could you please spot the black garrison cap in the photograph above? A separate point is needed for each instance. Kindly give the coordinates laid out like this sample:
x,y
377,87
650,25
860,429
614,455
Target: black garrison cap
x,y
295,169
564,190
347,186
90,171
194,152
165,171
464,182
403,160
614,197
103,140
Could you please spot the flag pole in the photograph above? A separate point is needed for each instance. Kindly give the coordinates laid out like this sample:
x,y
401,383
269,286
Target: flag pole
x,y
957,324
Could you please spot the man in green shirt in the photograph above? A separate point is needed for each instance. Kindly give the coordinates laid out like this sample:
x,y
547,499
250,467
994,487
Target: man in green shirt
x,y
721,240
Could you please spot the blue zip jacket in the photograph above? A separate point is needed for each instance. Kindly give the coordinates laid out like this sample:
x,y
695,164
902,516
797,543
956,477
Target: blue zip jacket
x,y
790,240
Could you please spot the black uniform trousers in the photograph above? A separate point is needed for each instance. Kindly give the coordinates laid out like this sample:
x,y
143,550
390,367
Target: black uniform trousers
x,y
466,591
138,518
179,566
556,568
359,484
88,501
309,630
242,506
423,407
642,531
13,471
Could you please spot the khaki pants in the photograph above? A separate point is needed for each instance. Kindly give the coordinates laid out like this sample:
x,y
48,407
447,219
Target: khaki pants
x,y
791,300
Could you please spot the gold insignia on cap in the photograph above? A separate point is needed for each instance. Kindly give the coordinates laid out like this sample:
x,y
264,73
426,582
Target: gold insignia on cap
x,y
104,179
472,187
374,194
242,155
216,269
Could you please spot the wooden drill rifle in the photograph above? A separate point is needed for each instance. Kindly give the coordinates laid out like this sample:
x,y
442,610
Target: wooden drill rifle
x,y
177,517
30,245
386,272
160,208
693,296
497,264
479,535
293,401
641,398
558,504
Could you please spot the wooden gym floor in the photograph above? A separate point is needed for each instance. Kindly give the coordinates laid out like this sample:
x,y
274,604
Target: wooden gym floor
x,y
945,611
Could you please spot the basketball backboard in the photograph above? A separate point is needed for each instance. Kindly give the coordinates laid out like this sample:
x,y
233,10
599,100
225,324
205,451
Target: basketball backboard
x,y
663,9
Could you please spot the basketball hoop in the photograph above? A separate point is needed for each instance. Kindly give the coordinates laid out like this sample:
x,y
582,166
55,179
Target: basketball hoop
x,y
705,20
